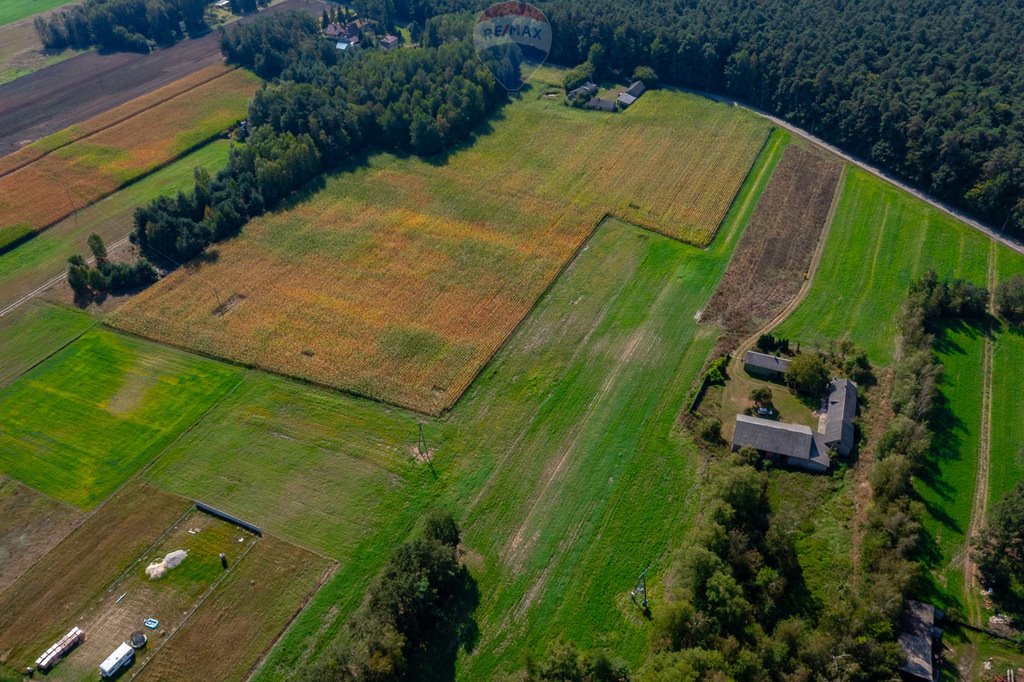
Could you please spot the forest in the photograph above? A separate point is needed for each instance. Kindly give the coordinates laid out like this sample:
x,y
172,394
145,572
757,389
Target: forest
x,y
932,92
129,25
323,108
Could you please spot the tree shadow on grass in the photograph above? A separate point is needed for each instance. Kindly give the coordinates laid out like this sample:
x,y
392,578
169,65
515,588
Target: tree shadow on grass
x,y
434,661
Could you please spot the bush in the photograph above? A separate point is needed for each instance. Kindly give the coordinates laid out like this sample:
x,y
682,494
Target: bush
x,y
808,375
710,429
1010,298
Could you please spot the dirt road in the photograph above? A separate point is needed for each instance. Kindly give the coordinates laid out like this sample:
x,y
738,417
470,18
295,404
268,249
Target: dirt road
x,y
61,95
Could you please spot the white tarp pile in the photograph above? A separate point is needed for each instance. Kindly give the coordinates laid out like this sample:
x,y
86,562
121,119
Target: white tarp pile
x,y
157,569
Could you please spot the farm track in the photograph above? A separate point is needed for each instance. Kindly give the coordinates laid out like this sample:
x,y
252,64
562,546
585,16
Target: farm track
x,y
59,96
971,596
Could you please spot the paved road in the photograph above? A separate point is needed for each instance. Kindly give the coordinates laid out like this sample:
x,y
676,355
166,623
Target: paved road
x,y
61,95
1014,244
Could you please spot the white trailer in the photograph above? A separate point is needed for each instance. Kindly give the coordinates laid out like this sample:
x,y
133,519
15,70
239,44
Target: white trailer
x,y
117,661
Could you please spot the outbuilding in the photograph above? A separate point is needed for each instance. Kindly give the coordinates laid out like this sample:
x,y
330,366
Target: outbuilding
x,y
121,658
601,104
920,640
765,365
791,444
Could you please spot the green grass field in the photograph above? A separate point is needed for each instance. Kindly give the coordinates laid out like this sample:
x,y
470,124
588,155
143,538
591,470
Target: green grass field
x,y
13,10
881,238
29,334
35,261
1006,461
78,425
567,442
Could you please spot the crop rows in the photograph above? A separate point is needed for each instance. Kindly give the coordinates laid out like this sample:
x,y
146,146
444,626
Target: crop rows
x,y
400,279
61,174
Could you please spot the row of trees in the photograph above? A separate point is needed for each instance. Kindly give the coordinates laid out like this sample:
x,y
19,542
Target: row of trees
x,y
324,109
933,93
414,618
131,25
893,536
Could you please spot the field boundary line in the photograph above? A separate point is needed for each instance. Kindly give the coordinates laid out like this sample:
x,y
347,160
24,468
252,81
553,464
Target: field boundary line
x,y
10,246
980,503
325,577
40,361
116,122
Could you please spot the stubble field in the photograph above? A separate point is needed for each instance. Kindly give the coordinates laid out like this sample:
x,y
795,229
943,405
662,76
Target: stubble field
x,y
400,278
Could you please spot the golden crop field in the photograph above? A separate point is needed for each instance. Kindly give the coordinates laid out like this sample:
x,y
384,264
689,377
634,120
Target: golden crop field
x,y
57,175
401,278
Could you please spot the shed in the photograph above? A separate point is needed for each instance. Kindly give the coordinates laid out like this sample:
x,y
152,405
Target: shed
x,y
794,444
601,104
842,409
117,661
636,88
919,638
625,99
586,90
764,364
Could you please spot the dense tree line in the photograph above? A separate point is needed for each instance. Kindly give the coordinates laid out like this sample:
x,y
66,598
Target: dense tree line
x,y
893,539
132,25
414,618
324,108
931,91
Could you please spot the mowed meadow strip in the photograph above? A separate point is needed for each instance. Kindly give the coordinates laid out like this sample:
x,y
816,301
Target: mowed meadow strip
x,y
76,167
400,278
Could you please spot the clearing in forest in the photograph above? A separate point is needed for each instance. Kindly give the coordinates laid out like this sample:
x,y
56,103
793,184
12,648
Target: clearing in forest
x,y
55,176
402,276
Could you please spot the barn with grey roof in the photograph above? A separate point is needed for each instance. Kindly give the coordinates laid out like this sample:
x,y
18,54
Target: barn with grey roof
x,y
793,444
919,638
842,408
764,364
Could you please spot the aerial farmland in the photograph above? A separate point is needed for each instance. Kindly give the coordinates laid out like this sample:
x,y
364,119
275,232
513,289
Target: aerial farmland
x,y
380,341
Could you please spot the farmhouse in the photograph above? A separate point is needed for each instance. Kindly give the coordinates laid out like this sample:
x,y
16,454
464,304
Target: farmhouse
x,y
586,90
792,444
765,365
601,104
920,639
389,42
632,93
842,408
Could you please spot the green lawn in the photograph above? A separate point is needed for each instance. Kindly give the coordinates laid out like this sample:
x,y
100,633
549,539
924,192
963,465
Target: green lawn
x,y
34,262
881,238
559,452
78,425
1006,460
12,10
32,332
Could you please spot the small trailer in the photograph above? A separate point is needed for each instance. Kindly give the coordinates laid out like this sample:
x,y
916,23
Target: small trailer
x,y
60,649
120,659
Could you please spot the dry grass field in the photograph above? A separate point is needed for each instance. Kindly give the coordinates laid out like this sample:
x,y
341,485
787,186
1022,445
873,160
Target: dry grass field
x,y
31,524
400,278
774,254
57,175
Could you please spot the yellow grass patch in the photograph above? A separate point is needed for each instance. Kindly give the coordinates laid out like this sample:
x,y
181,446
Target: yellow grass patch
x,y
400,279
